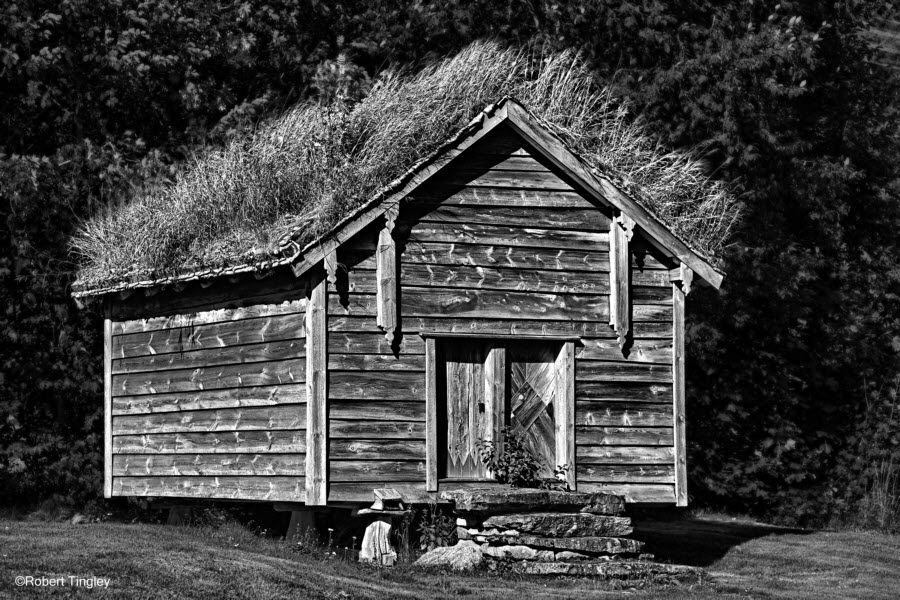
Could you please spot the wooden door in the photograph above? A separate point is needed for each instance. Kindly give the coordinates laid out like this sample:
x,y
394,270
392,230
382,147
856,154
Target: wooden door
x,y
532,399
466,419
485,386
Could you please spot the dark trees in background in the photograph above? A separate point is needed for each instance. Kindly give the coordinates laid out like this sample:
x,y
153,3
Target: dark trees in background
x,y
793,373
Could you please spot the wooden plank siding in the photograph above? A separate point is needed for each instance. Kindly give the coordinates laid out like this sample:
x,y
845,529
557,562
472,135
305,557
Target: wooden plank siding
x,y
216,393
376,390
210,402
502,247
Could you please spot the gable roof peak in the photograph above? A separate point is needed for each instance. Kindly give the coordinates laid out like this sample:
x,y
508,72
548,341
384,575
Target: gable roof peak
x,y
594,182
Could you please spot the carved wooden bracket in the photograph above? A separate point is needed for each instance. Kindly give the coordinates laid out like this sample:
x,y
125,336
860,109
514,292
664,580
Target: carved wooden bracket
x,y
621,230
683,276
331,265
627,224
386,276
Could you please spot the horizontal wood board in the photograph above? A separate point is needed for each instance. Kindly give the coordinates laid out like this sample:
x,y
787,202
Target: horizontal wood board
x,y
210,402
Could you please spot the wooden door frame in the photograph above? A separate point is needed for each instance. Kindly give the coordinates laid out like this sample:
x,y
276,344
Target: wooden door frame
x,y
495,388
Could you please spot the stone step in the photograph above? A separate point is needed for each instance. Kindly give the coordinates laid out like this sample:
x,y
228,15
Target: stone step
x,y
518,552
498,501
561,524
618,569
487,535
592,545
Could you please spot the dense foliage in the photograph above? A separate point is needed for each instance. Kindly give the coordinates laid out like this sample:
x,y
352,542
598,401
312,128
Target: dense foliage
x,y
793,368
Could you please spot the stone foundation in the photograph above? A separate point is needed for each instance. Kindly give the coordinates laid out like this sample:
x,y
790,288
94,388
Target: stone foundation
x,y
545,532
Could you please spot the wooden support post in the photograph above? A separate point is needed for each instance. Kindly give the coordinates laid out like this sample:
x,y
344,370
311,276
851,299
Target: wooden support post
x,y
302,528
180,516
494,391
431,445
316,395
681,497
107,398
621,230
386,277
565,410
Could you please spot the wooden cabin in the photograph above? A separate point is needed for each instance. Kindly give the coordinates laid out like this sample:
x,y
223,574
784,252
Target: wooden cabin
x,y
501,282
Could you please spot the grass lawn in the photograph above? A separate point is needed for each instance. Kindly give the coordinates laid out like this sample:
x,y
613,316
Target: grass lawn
x,y
743,560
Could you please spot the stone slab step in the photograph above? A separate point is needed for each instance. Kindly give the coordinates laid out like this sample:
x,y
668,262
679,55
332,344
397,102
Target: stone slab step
x,y
592,545
613,569
497,501
519,553
551,524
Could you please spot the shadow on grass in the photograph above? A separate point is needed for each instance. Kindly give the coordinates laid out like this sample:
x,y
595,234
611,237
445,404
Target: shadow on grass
x,y
699,541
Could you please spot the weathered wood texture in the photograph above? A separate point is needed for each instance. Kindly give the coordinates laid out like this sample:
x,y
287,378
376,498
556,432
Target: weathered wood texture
x,y
209,336
503,246
107,399
217,392
317,393
431,418
268,489
565,377
271,395
464,418
386,278
224,442
210,402
266,418
619,281
225,293
534,383
678,403
206,465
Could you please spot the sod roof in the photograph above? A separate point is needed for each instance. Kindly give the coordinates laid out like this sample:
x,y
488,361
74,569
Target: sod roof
x,y
257,202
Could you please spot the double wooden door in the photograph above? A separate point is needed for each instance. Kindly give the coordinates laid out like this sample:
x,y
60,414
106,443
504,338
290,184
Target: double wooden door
x,y
487,386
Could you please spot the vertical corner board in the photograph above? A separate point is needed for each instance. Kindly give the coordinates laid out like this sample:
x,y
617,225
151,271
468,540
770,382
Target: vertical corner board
x,y
316,395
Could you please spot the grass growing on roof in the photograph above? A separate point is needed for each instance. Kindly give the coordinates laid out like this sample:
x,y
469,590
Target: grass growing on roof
x,y
310,167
